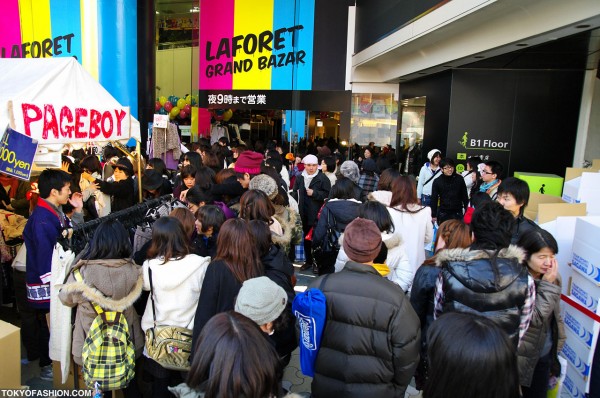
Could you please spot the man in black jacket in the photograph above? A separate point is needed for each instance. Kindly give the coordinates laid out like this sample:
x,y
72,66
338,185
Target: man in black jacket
x,y
311,188
513,195
370,343
451,191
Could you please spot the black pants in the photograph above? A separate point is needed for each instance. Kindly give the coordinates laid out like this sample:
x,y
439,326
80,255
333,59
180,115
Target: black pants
x,y
444,215
43,340
161,378
29,327
539,382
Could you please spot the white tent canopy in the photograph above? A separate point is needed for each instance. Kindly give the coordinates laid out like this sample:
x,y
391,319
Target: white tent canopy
x,y
56,102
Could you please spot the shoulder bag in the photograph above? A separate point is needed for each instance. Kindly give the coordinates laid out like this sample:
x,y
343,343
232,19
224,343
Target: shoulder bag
x,y
169,346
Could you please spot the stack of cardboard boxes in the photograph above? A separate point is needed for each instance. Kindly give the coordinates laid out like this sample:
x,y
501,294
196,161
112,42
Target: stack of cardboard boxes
x,y
574,220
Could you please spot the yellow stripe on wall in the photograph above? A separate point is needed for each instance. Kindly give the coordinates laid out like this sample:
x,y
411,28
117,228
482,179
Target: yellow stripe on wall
x,y
89,36
253,16
35,25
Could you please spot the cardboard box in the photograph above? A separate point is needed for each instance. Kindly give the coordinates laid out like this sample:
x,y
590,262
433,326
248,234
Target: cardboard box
x,y
587,230
582,326
10,352
584,292
550,211
584,189
578,355
596,164
547,184
573,385
535,199
586,260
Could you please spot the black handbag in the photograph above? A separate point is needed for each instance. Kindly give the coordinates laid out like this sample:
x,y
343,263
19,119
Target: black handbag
x,y
325,252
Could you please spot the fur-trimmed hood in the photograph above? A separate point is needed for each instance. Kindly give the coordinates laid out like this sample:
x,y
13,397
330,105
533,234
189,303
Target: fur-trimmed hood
x,y
287,219
98,283
466,255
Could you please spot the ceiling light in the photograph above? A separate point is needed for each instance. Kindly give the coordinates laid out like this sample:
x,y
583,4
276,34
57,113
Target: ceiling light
x,y
582,26
157,12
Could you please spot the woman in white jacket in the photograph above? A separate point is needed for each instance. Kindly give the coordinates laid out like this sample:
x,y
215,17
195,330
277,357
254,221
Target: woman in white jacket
x,y
411,220
400,271
177,278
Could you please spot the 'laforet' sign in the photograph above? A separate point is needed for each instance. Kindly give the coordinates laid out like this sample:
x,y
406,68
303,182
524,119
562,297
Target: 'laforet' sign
x,y
58,123
272,50
16,154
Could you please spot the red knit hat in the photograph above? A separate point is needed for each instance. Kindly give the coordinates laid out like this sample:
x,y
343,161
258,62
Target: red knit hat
x,y
248,162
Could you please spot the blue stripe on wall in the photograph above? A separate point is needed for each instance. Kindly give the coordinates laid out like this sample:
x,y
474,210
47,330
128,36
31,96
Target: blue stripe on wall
x,y
64,20
117,50
283,17
295,120
305,16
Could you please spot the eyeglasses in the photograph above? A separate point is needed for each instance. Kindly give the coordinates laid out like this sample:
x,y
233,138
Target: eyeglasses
x,y
486,172
448,168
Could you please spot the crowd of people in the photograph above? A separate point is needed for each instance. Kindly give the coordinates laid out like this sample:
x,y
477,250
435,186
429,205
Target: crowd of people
x,y
438,276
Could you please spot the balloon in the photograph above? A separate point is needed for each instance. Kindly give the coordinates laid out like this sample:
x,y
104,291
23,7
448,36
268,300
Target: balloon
x,y
168,106
174,111
194,99
172,99
183,114
188,99
227,115
157,106
187,108
175,99
162,100
162,111
180,103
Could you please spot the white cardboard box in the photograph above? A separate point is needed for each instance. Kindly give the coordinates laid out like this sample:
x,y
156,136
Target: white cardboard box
x,y
581,325
587,229
573,386
584,292
584,189
586,260
578,355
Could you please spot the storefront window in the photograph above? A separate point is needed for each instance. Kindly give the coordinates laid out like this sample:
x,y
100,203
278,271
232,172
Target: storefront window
x,y
374,119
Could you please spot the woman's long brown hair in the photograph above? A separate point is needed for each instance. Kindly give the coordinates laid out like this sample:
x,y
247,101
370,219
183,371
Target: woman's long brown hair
x,y
237,249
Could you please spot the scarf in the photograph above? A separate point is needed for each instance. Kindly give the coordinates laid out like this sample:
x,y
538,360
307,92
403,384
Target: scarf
x,y
308,178
487,185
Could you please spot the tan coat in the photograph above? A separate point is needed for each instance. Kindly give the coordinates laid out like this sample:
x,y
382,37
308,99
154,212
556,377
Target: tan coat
x,y
114,285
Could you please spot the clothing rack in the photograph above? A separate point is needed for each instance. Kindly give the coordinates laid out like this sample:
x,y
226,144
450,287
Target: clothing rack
x,y
130,218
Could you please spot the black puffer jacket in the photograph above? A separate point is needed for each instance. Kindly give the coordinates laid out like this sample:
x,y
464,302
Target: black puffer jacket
x,y
522,225
421,297
474,282
370,344
310,205
279,269
340,212
452,193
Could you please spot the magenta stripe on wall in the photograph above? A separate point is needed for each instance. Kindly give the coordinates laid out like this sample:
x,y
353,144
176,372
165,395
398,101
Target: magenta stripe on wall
x,y
216,22
11,27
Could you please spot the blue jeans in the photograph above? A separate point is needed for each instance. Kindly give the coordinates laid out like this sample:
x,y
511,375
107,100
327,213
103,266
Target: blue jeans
x,y
425,200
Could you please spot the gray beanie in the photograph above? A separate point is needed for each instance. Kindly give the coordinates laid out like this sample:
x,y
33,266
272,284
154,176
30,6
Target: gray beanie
x,y
350,170
261,300
266,184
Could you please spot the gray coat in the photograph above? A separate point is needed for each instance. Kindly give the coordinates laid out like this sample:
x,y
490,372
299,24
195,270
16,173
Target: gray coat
x,y
114,285
546,315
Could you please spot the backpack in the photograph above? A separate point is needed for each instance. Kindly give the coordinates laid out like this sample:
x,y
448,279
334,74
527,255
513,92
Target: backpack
x,y
108,354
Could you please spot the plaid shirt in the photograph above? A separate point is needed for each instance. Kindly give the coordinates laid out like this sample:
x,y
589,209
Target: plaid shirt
x,y
368,183
526,311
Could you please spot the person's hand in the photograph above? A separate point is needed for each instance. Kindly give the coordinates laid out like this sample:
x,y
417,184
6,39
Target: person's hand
x,y
65,167
76,200
433,220
93,186
88,176
309,192
552,273
183,195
